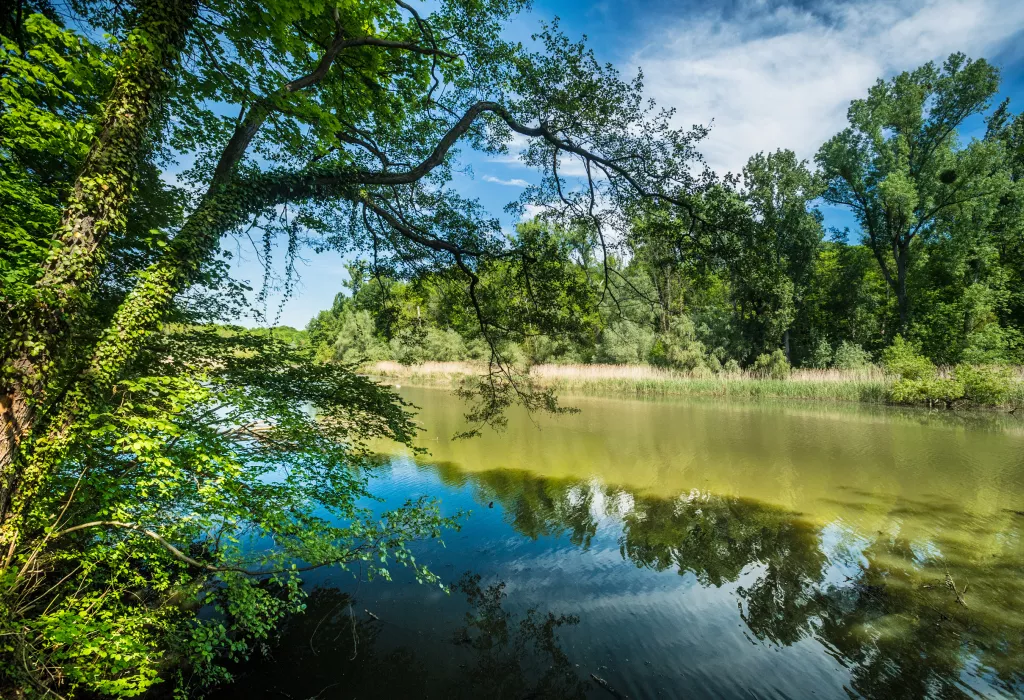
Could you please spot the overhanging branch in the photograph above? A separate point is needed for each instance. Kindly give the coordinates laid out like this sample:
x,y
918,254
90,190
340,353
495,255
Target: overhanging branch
x,y
182,557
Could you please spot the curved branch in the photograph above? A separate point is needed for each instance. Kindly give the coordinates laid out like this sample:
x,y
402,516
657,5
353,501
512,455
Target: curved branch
x,y
435,244
226,205
463,125
246,131
182,557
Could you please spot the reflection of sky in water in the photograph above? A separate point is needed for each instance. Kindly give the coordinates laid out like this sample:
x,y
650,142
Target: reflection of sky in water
x,y
696,594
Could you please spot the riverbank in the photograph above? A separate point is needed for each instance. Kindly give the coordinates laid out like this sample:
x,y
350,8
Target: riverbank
x,y
870,385
864,386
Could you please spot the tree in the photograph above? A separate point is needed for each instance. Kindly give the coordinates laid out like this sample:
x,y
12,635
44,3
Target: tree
x,y
329,124
900,166
1007,225
779,244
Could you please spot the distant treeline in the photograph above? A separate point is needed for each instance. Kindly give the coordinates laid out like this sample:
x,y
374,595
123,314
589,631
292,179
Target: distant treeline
x,y
937,258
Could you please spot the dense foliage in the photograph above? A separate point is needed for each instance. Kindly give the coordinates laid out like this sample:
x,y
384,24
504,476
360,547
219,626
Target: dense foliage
x,y
153,465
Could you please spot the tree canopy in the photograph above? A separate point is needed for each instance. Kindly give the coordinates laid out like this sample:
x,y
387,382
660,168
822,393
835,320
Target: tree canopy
x,y
747,267
147,461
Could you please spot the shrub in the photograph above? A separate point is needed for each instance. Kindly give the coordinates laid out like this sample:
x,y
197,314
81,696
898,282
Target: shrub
x,y
984,385
357,341
413,346
850,356
904,359
542,349
714,364
513,353
701,372
679,347
931,390
731,367
666,353
443,345
773,366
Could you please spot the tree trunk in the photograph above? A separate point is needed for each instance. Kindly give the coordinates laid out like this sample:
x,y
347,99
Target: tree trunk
x,y
138,316
902,298
97,206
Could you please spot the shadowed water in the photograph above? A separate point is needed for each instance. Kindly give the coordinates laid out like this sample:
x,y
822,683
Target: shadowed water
x,y
687,549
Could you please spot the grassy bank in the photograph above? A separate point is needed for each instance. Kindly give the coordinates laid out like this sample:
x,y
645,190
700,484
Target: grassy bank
x,y
868,385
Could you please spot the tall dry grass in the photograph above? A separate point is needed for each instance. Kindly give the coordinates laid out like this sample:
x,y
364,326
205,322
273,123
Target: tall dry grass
x,y
648,373
866,385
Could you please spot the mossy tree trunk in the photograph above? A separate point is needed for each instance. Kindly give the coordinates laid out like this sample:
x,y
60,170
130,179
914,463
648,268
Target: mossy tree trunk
x,y
97,208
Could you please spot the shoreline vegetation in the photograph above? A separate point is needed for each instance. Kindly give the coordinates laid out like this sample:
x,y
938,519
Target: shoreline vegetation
x,y
871,385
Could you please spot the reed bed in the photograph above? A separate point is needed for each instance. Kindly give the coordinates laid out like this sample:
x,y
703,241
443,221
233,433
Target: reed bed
x,y
863,385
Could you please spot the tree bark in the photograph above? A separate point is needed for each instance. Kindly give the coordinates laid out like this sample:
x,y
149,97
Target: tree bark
x,y
97,206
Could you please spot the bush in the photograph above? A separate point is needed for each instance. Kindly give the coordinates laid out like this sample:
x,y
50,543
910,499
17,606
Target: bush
x,y
414,346
850,356
985,385
357,342
679,348
701,372
443,345
513,353
930,391
904,359
773,366
714,364
542,349
731,367
687,357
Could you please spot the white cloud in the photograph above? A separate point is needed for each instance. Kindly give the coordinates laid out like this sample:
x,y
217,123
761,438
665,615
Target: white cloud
x,y
531,211
780,77
514,182
517,144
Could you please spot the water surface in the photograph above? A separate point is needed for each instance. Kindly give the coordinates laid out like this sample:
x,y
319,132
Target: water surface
x,y
687,549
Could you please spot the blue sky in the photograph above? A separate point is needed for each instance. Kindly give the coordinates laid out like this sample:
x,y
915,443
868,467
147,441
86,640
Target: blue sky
x,y
765,74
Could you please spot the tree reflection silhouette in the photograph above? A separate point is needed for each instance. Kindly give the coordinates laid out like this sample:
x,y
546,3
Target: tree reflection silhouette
x,y
331,651
877,602
890,618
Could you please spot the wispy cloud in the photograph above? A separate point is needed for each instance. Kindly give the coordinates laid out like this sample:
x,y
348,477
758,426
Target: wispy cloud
x,y
514,182
775,76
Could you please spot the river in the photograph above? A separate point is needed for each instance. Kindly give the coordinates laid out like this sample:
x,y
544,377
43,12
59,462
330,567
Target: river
x,y
686,549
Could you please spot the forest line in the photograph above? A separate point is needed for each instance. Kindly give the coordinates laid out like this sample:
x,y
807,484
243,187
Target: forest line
x,y
752,282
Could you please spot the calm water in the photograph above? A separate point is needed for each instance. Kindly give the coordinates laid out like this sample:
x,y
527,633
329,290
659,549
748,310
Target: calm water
x,y
687,550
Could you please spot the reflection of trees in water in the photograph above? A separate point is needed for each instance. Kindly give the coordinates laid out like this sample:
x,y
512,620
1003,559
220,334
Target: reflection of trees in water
x,y
904,631
884,611
514,658
333,651
888,614
534,507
